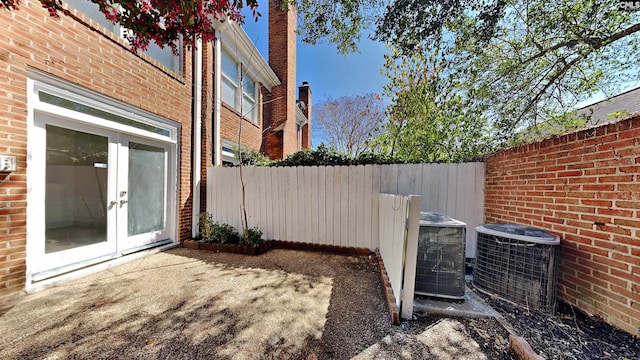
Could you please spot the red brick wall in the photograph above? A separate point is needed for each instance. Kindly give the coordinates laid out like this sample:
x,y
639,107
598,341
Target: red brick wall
x,y
304,95
93,58
282,59
584,187
230,128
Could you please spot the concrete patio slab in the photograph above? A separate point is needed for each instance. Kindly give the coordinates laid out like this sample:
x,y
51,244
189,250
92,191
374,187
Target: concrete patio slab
x,y
472,306
170,305
444,340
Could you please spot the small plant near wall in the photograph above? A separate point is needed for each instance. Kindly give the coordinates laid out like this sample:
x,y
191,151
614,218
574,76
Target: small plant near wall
x,y
216,233
220,237
253,238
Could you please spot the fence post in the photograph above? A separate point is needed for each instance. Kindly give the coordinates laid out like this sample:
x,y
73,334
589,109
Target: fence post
x,y
410,256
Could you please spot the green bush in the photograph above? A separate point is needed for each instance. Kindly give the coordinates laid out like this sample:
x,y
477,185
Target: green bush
x,y
251,157
253,237
367,158
216,233
323,156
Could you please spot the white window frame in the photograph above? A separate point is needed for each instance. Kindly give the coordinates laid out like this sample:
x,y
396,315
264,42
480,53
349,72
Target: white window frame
x,y
238,84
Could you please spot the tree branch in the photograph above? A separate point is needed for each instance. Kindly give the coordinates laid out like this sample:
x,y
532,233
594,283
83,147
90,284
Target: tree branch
x,y
551,81
595,42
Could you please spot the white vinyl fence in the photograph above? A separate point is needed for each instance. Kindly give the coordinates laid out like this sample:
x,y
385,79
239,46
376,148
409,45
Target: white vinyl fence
x,y
399,226
338,205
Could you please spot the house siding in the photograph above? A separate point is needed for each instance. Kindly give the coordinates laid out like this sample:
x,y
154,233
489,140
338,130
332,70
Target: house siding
x,y
584,187
75,49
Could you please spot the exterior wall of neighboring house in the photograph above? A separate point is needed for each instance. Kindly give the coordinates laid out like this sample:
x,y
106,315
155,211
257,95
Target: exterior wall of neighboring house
x,y
584,187
78,55
250,134
207,133
244,77
281,136
304,98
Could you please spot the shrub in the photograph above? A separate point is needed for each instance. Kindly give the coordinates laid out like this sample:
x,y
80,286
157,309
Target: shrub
x,y
367,158
216,233
253,237
251,157
323,156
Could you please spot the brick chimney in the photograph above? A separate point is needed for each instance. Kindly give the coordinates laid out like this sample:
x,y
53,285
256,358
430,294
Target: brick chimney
x,y
304,96
280,120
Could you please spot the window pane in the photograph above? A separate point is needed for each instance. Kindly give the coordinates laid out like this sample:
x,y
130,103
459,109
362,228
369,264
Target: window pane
x,y
163,56
92,11
248,86
249,108
146,189
228,93
229,67
76,190
71,105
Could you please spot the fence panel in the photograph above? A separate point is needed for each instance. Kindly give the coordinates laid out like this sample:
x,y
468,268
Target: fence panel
x,y
453,189
339,205
393,216
367,206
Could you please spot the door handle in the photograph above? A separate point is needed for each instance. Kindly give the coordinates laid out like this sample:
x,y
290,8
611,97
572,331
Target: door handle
x,y
122,202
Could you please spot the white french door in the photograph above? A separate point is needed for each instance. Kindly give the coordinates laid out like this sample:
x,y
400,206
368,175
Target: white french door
x,y
79,180
106,193
143,193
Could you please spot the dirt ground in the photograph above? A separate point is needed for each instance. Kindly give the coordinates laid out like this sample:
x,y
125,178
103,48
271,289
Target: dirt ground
x,y
189,304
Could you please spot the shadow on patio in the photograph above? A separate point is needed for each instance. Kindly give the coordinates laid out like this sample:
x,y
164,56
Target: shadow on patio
x,y
190,304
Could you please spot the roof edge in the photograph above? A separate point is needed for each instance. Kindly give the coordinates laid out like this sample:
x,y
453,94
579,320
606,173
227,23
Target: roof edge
x,y
236,40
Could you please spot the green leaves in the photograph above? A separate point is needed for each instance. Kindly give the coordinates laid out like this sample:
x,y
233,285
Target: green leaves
x,y
430,120
518,63
341,22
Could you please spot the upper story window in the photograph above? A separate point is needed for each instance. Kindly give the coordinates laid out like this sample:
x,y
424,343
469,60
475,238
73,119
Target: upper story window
x,y
243,98
162,55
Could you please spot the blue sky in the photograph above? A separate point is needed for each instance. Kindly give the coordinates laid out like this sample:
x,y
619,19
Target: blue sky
x,y
333,75
329,74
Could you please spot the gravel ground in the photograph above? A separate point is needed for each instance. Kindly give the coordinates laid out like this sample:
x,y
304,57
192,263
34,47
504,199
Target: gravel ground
x,y
568,334
189,304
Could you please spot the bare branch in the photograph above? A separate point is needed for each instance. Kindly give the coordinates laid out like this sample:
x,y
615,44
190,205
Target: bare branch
x,y
552,81
349,121
595,42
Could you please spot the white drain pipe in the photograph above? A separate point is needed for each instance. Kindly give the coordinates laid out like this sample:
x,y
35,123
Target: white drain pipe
x,y
217,100
197,137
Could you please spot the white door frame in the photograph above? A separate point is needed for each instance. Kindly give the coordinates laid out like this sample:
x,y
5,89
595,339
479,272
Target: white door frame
x,y
82,109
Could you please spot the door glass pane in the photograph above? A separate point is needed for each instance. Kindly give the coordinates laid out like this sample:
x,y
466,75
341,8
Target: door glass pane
x,y
76,189
146,189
